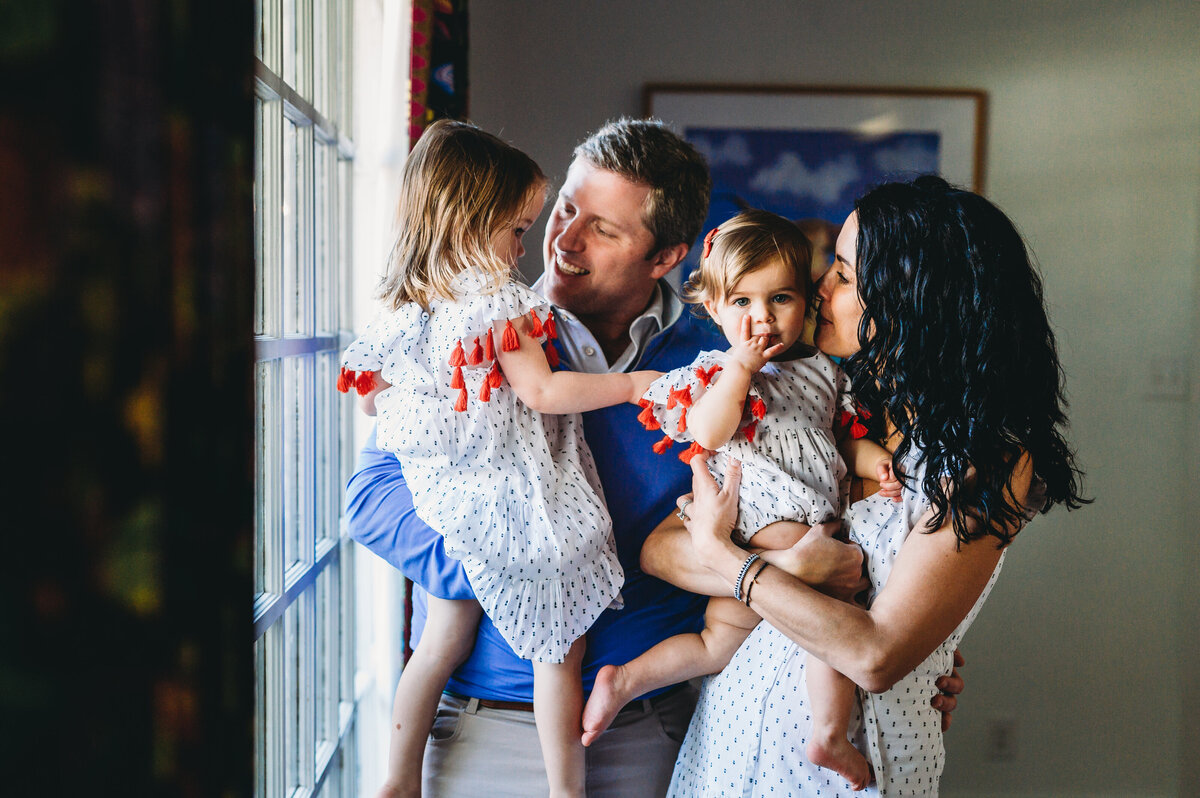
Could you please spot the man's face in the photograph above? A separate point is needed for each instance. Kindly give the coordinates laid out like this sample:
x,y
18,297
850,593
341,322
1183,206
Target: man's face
x,y
597,250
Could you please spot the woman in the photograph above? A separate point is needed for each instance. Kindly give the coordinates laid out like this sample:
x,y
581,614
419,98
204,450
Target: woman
x,y
935,307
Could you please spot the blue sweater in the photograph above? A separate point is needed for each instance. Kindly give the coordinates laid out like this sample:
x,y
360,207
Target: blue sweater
x,y
640,488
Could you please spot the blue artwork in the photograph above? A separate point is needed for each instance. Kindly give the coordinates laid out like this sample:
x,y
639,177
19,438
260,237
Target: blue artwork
x,y
805,173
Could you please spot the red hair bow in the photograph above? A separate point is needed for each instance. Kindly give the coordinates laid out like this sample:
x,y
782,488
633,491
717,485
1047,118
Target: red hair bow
x,y
708,241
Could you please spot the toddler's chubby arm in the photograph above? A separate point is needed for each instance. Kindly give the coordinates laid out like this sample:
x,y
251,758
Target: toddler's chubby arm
x,y
366,403
715,416
868,460
561,392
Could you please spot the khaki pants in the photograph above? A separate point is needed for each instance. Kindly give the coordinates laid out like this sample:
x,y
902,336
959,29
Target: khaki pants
x,y
475,751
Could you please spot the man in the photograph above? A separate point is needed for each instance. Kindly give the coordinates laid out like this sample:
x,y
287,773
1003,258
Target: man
x,y
633,201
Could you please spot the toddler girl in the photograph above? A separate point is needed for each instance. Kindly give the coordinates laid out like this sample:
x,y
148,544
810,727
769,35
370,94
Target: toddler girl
x,y
459,371
772,403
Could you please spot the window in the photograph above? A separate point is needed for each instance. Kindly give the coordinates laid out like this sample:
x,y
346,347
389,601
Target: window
x,y
305,700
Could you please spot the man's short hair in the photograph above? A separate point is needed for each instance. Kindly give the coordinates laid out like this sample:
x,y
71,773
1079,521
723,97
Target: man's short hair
x,y
646,151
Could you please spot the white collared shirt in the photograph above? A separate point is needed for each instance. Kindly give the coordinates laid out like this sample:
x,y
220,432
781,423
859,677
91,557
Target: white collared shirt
x,y
583,351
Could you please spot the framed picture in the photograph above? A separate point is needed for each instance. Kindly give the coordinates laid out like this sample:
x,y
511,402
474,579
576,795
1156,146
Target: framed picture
x,y
807,152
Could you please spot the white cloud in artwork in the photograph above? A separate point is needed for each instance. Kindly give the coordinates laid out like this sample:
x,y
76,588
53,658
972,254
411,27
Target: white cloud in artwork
x,y
906,157
790,175
732,151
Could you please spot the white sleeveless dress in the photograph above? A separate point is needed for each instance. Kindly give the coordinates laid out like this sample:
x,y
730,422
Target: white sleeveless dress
x,y
748,735
514,492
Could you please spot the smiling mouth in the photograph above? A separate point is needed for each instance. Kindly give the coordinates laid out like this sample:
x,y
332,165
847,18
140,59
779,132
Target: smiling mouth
x,y
567,268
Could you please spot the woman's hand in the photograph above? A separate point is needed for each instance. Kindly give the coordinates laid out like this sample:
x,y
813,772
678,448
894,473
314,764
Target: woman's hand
x,y
709,512
823,562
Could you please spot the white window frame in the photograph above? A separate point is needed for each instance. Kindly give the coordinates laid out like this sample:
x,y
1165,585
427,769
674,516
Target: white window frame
x,y
304,622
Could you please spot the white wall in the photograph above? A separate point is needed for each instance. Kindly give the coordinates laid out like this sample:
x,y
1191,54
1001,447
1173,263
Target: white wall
x,y
1094,148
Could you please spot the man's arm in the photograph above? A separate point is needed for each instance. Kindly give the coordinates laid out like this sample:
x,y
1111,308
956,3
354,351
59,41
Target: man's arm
x,y
380,516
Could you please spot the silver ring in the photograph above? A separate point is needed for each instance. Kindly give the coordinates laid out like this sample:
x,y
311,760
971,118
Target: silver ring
x,y
682,507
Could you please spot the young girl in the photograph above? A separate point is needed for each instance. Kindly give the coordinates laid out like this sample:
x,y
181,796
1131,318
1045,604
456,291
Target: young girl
x,y
770,402
464,391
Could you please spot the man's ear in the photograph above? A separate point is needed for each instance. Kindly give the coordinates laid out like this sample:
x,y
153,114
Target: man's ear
x,y
666,259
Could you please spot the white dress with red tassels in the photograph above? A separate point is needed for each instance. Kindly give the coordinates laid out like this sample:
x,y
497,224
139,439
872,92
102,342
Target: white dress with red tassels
x,y
514,492
791,469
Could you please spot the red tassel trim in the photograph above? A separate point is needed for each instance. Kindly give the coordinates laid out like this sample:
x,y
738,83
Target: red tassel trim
x,y
551,355
862,411
476,356
365,382
758,408
682,425
536,330
345,380
494,378
844,418
461,405
706,377
857,430
485,390
457,381
662,446
457,358
509,341
749,430
647,419
691,451
550,326
489,347
685,396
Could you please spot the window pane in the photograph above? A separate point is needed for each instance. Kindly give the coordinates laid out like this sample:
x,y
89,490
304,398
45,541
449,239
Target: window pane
x,y
268,464
344,231
328,477
324,216
327,642
267,212
298,462
260,719
297,229
266,38
320,58
299,661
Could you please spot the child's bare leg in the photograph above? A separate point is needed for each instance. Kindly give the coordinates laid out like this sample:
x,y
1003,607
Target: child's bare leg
x,y
557,704
726,623
446,642
831,697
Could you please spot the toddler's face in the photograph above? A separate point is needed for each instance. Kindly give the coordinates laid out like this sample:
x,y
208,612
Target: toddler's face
x,y
770,296
506,242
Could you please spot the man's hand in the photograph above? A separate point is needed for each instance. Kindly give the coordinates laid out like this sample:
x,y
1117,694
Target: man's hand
x,y
823,562
947,700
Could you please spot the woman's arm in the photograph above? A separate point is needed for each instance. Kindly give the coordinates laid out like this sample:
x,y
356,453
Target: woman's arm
x,y
932,586
559,392
821,561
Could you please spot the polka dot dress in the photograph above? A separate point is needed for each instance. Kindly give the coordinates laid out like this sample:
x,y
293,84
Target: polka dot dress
x,y
748,734
514,492
791,468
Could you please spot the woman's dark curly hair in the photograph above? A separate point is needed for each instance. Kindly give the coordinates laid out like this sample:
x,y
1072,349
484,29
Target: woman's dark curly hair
x,y
956,350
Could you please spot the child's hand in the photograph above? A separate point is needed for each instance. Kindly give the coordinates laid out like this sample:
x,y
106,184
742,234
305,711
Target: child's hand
x,y
751,351
641,383
889,485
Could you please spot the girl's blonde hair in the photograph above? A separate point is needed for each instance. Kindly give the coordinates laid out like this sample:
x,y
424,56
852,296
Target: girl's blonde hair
x,y
461,185
744,244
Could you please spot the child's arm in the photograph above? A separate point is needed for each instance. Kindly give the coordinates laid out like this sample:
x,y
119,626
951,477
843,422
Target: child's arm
x,y
366,402
715,416
560,392
868,460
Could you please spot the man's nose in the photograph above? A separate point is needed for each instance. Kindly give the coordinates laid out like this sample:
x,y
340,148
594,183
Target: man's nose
x,y
569,238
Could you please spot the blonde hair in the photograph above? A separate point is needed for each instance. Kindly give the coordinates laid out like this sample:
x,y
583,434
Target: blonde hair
x,y
461,185
744,244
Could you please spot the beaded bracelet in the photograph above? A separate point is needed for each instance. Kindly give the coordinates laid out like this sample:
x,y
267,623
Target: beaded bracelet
x,y
737,586
753,579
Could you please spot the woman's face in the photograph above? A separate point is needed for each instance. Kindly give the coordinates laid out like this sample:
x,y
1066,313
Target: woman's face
x,y
841,309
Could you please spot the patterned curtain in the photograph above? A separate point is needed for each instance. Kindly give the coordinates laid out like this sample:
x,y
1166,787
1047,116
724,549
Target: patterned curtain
x,y
437,90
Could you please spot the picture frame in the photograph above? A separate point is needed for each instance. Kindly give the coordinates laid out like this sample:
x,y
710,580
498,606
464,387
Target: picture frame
x,y
806,152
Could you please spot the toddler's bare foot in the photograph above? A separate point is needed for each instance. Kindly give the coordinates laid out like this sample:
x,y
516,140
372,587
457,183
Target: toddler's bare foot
x,y
392,789
609,695
836,753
